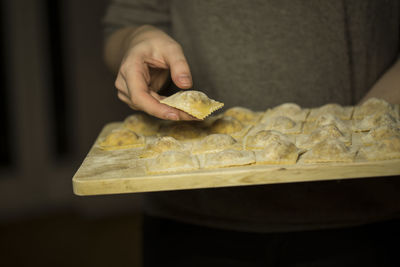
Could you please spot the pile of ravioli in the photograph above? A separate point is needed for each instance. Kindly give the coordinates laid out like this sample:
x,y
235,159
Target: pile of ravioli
x,y
285,134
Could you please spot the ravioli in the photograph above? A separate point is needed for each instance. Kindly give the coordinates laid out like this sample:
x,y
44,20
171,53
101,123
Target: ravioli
x,y
121,139
161,145
229,158
383,150
214,143
244,115
182,130
282,124
263,138
207,122
325,132
329,150
380,133
142,124
226,125
290,110
375,106
172,161
229,125
373,121
326,119
333,109
195,103
278,152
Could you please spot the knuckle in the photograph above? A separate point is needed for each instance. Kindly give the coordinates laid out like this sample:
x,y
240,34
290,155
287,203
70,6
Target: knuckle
x,y
130,68
132,107
178,47
121,97
173,47
126,67
139,48
134,100
118,84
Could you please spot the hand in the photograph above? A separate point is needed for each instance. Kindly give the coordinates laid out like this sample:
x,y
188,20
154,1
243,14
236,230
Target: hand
x,y
150,55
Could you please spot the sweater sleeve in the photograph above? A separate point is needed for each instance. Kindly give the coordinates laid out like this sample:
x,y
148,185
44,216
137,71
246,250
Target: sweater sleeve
x,y
122,13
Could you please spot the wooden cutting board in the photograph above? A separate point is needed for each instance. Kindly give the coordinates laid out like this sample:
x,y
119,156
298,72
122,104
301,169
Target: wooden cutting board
x,y
114,172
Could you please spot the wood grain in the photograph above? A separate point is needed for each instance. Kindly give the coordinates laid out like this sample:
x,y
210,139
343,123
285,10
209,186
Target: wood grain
x,y
115,172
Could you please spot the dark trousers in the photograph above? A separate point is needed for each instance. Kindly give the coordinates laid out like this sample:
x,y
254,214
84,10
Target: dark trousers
x,y
171,243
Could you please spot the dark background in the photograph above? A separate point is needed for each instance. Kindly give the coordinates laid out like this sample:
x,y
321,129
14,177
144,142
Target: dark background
x,y
56,94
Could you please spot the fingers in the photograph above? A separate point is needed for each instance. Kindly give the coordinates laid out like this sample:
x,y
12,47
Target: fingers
x,y
121,86
138,95
187,117
144,71
180,71
126,100
182,115
159,78
155,95
141,98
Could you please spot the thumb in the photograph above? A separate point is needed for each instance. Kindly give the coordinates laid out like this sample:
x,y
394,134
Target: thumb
x,y
180,71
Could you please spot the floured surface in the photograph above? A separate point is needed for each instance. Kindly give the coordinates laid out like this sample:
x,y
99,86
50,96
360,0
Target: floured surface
x,y
243,147
121,171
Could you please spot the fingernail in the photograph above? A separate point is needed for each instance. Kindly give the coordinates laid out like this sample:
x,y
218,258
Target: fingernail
x,y
172,117
185,80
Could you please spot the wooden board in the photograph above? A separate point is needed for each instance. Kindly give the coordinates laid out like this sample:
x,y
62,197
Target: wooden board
x,y
114,172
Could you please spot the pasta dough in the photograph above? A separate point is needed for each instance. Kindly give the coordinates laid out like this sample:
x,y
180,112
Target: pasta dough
x,y
278,152
182,130
142,124
290,110
374,106
160,145
194,103
325,132
240,136
229,125
244,115
261,139
373,121
380,133
343,113
172,161
121,139
329,150
382,150
214,143
326,119
282,124
228,158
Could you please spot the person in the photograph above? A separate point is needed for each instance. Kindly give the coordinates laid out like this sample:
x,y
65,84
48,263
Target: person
x,y
259,54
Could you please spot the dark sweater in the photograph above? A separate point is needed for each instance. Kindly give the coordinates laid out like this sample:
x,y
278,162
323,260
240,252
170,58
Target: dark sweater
x,y
259,54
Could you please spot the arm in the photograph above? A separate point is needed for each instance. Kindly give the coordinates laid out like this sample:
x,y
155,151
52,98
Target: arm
x,y
144,56
388,86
